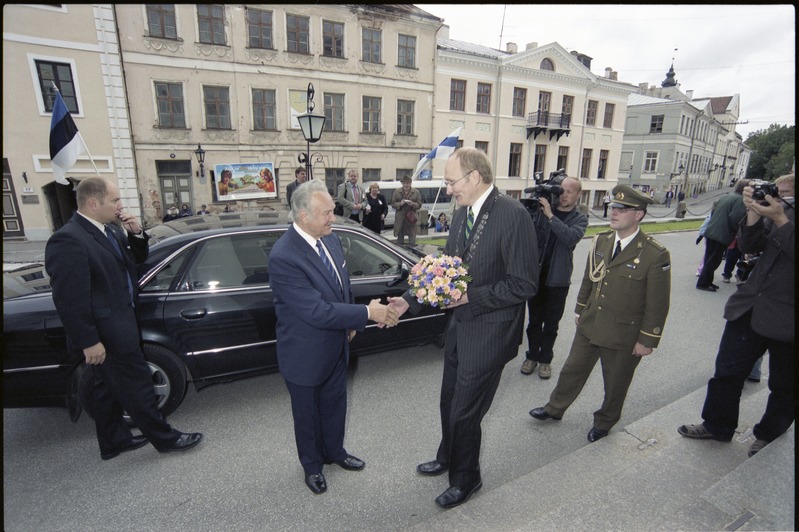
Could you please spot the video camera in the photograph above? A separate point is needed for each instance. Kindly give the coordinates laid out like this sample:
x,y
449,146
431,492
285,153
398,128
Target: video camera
x,y
763,188
550,189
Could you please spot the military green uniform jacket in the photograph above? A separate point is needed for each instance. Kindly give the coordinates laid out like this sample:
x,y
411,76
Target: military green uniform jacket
x,y
626,300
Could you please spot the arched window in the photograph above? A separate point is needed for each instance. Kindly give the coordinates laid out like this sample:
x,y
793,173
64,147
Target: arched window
x,y
547,64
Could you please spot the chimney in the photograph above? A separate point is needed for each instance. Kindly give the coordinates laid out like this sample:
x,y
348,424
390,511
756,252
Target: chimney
x,y
614,76
689,94
511,48
531,45
643,87
608,70
443,32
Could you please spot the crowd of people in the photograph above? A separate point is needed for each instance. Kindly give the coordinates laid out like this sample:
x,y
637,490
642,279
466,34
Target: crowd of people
x,y
520,266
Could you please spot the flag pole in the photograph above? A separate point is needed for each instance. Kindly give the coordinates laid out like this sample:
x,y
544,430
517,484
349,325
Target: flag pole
x,y
85,147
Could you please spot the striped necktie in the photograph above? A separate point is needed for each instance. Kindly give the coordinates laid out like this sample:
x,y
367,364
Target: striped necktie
x,y
469,223
328,265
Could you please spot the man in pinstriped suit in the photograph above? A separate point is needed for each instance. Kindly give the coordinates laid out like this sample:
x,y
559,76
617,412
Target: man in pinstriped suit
x,y
486,325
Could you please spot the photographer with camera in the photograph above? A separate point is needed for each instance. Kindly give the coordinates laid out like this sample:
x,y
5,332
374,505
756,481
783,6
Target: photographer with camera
x,y
727,214
558,233
760,316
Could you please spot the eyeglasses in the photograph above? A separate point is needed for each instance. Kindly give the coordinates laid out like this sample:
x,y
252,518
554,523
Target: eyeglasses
x,y
452,183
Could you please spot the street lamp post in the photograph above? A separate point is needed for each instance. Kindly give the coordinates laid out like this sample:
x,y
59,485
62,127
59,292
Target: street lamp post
x,y
311,125
200,154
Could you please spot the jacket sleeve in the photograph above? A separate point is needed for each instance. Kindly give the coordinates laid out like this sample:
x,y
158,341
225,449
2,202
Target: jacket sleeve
x,y
569,234
342,197
658,293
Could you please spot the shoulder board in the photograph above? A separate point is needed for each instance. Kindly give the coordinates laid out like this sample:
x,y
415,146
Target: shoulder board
x,y
655,243
605,233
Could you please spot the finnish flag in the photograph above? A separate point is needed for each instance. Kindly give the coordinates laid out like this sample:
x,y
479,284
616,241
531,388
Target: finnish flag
x,y
65,140
442,151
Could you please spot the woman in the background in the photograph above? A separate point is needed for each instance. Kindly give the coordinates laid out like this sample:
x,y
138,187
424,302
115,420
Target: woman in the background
x,y
375,210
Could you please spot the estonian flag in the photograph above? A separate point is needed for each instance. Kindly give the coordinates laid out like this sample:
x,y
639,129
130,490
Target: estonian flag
x,y
442,151
65,140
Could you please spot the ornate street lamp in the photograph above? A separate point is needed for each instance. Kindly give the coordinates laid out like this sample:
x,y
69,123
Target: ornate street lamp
x,y
200,154
311,126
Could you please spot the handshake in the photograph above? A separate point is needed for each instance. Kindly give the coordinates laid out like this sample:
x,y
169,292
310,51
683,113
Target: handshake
x,y
384,315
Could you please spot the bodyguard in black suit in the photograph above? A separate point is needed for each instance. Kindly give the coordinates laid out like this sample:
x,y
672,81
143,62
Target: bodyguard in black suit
x,y
495,237
92,269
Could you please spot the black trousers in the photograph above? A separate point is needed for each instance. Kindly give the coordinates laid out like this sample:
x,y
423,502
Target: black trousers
x,y
739,349
466,395
319,419
545,310
123,383
714,251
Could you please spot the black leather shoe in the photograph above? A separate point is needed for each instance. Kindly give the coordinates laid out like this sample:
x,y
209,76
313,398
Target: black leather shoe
x,y
316,483
135,443
596,434
540,413
432,468
350,463
709,288
184,443
455,496
714,285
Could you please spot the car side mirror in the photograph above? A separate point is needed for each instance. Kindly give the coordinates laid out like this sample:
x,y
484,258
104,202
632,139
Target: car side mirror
x,y
405,272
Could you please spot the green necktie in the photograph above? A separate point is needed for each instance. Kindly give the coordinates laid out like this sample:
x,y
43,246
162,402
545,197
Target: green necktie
x,y
469,223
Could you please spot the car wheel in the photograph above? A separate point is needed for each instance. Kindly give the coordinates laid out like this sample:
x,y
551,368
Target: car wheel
x,y
168,376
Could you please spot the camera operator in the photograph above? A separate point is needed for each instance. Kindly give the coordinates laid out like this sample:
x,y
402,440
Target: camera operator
x,y
559,231
760,316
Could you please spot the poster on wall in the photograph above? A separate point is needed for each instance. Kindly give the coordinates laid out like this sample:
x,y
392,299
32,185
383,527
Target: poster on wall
x,y
298,104
235,182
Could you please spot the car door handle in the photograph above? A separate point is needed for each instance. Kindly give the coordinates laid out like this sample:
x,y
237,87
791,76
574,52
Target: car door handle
x,y
194,314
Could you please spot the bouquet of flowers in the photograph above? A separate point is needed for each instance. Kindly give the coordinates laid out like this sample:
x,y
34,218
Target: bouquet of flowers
x,y
438,280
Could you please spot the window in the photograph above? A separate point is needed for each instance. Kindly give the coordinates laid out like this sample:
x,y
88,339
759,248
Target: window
x,y
406,51
585,166
259,25
656,125
457,95
608,122
480,145
297,37
547,64
590,117
519,101
169,100
539,161
217,107
405,112
263,109
371,174
211,18
603,164
483,97
371,45
231,261
515,159
60,74
332,38
566,109
544,98
563,157
402,172
650,162
334,111
371,114
161,21
333,178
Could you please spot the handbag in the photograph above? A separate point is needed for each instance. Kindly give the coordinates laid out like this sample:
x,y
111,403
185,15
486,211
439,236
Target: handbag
x,y
410,216
338,210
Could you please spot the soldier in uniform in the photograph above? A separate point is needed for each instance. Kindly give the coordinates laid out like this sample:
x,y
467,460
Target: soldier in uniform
x,y
621,309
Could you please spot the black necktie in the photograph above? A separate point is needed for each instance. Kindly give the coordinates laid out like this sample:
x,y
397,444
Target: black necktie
x,y
328,265
617,250
110,234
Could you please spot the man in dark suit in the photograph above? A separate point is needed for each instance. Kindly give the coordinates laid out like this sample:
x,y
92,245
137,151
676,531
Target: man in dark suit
x,y
761,315
495,237
92,269
300,175
316,319
622,307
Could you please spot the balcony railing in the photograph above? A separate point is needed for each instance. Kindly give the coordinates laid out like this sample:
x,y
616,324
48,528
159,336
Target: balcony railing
x,y
558,124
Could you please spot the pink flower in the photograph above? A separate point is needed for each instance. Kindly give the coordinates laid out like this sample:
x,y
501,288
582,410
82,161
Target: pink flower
x,y
456,294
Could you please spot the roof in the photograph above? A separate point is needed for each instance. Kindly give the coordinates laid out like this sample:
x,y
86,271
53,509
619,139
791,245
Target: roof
x,y
718,104
470,48
642,99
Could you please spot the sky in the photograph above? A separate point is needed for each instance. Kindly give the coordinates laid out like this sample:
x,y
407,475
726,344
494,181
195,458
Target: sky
x,y
717,50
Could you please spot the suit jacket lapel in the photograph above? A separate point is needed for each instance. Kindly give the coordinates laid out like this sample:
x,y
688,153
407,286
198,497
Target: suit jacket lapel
x,y
99,236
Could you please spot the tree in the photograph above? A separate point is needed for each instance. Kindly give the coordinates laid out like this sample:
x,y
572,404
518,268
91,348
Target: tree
x,y
773,152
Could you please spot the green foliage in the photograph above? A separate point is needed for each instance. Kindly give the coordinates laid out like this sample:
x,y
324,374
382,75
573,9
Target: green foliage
x,y
773,152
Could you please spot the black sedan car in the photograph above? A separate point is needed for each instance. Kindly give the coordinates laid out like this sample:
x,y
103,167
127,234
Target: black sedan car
x,y
206,310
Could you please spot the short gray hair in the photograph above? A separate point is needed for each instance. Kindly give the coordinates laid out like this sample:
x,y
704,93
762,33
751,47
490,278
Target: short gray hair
x,y
301,197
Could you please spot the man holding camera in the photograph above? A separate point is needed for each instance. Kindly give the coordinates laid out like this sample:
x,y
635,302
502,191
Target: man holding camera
x,y
760,316
559,231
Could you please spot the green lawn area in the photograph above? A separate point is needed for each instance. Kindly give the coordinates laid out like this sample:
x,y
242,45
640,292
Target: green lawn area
x,y
649,228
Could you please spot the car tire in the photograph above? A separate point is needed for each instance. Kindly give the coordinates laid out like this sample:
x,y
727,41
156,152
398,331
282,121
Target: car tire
x,y
169,381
